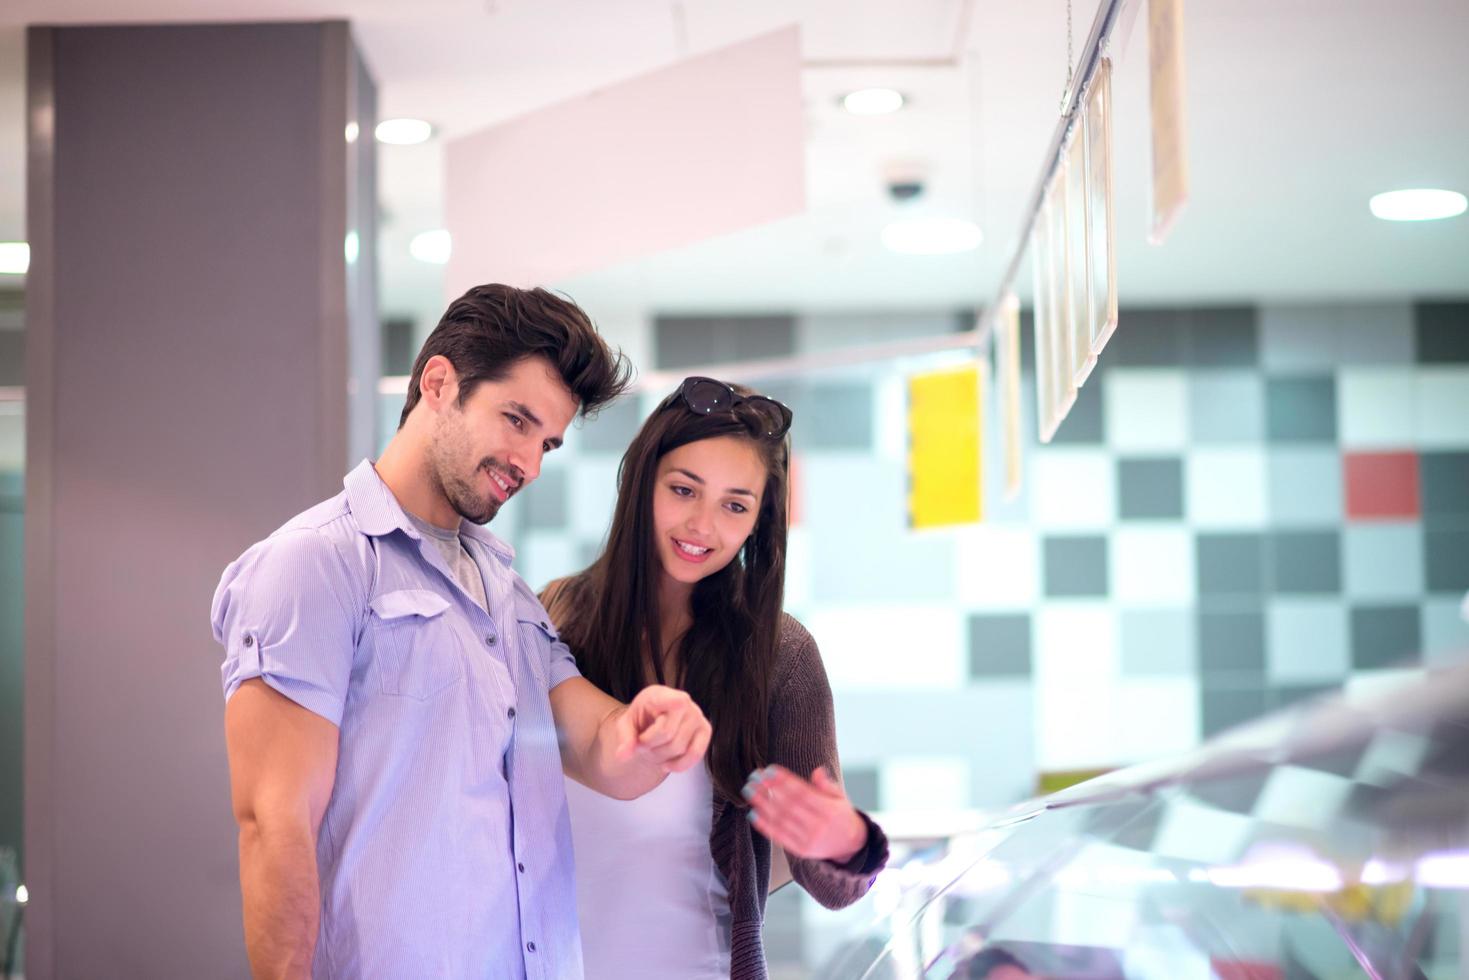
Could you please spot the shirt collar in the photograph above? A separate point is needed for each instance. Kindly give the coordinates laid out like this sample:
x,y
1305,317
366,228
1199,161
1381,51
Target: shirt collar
x,y
378,512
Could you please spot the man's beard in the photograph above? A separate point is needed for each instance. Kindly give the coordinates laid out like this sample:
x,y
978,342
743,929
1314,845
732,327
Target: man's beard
x,y
477,508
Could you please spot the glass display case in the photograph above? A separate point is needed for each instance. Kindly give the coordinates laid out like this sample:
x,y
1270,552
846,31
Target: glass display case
x,y
1331,840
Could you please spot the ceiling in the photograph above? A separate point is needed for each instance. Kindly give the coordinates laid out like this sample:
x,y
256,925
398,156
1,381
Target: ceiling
x,y
1297,113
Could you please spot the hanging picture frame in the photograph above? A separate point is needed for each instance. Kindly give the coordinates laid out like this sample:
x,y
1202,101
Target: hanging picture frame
x,y
1040,320
1063,382
1101,231
1078,265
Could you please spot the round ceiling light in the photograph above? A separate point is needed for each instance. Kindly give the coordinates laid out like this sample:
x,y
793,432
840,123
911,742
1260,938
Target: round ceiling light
x,y
873,101
15,258
932,236
1420,204
403,132
432,247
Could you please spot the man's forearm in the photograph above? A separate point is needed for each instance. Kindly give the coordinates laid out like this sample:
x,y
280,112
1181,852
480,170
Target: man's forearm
x,y
282,900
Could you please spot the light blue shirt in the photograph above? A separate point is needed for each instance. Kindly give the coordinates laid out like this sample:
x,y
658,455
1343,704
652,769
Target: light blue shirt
x,y
445,850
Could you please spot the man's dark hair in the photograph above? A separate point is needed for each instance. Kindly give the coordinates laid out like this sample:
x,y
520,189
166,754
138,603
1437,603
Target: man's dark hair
x,y
491,328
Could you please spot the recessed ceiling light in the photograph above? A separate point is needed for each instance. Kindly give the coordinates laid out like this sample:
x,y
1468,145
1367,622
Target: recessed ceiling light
x,y
352,131
873,101
351,245
432,247
932,236
15,258
1421,204
403,132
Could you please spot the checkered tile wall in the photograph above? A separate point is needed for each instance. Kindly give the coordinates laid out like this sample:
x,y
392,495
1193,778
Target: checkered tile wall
x,y
1247,506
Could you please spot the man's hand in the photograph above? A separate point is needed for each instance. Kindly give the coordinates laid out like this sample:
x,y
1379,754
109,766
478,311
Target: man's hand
x,y
664,728
625,750
809,818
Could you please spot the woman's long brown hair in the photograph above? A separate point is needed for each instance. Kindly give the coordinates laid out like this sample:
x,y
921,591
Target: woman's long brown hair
x,y
608,614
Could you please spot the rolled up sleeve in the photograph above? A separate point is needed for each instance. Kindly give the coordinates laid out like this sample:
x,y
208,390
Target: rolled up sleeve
x,y
286,611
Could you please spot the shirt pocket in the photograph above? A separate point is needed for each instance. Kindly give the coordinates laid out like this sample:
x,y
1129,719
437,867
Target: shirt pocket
x,y
537,637
416,648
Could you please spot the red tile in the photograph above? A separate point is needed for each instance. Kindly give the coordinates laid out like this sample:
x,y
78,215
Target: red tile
x,y
1381,485
1245,970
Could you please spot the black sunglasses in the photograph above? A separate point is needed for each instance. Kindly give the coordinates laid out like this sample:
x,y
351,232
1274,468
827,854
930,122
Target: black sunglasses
x,y
763,416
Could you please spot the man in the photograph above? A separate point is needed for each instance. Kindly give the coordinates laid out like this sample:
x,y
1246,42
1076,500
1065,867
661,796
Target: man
x,y
391,684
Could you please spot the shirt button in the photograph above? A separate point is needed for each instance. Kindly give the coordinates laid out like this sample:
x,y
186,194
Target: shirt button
x,y
531,947
491,639
249,640
510,713
521,867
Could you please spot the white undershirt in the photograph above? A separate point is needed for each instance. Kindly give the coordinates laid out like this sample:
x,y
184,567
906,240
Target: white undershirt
x,y
652,903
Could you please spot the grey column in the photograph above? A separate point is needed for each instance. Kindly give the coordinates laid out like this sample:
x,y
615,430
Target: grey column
x,y
194,331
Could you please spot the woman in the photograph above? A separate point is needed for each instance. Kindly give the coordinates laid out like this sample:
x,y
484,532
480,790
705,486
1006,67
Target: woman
x,y
688,593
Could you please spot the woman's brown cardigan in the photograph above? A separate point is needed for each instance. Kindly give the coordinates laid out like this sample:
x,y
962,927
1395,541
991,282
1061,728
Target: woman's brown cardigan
x,y
802,737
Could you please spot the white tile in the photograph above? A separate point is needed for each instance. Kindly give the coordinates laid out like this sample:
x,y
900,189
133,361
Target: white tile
x,y
998,566
1307,641
1072,489
1157,717
1195,832
1075,643
1445,630
1146,409
545,556
932,784
1442,407
1301,797
592,496
859,646
800,568
1225,488
1152,566
1375,407
1076,727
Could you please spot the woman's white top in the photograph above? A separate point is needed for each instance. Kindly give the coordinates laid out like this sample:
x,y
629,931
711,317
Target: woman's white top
x,y
652,903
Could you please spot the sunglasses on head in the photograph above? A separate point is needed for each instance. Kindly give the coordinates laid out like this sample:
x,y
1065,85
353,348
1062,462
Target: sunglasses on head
x,y
763,416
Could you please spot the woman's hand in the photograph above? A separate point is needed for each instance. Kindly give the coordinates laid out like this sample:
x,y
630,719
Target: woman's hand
x,y
809,818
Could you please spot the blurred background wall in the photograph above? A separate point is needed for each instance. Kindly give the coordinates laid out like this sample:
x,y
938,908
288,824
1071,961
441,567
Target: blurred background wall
x,y
1261,495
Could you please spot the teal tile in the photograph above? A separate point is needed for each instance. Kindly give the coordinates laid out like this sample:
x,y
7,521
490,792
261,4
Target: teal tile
x,y
1442,332
1379,334
1149,338
1226,407
1225,708
1305,486
611,429
1301,409
1150,488
544,503
1383,560
1224,336
1305,562
1230,564
1232,646
1446,559
1385,636
1307,641
1075,565
999,645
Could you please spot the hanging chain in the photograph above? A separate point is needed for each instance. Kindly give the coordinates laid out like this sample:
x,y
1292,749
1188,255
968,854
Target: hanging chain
x,y
1069,59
